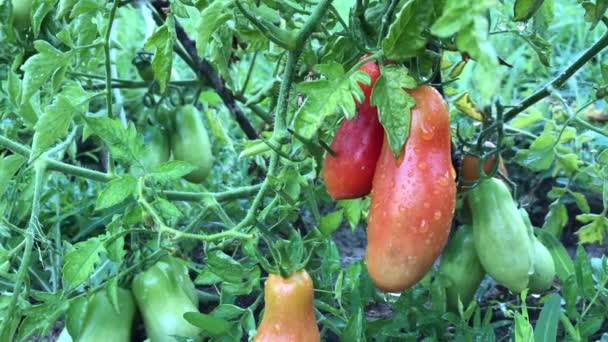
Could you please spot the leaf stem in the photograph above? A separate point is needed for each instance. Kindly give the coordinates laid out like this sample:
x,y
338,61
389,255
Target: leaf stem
x,y
40,168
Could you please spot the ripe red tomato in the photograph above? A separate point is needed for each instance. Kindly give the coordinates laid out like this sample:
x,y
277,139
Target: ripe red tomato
x,y
413,198
357,144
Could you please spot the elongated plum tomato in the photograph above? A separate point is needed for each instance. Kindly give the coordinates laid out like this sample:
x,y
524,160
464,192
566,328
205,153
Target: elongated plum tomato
x,y
357,144
413,198
289,314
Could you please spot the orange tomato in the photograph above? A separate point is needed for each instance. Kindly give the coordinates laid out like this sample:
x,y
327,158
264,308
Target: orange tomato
x,y
289,314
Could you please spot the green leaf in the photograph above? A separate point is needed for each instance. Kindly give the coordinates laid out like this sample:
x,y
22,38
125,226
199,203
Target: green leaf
x,y
80,263
116,191
593,232
330,222
212,17
352,211
584,273
172,170
124,143
580,200
546,326
40,9
405,36
167,209
455,17
567,162
327,97
116,250
40,318
354,328
556,219
56,118
394,105
540,155
161,42
209,324
41,67
225,267
595,12
9,165
525,9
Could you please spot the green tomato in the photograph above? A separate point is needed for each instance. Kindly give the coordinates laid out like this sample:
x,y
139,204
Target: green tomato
x,y
501,236
544,266
164,293
96,319
22,10
461,269
157,150
190,143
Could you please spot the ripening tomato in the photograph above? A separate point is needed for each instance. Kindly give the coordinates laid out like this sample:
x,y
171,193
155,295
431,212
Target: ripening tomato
x,y
289,313
469,167
357,144
413,198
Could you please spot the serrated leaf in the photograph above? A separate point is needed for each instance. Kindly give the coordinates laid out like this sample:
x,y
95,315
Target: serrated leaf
x,y
327,97
525,9
40,9
556,218
394,105
41,67
39,319
405,36
171,170
124,143
161,42
8,167
55,121
211,18
466,105
539,156
116,191
593,232
79,264
225,267
166,208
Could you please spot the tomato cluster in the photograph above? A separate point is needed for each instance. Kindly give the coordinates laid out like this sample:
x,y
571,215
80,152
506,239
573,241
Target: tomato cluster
x,y
413,199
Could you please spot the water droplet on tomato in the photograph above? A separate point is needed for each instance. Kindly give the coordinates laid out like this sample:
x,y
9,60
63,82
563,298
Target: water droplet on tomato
x,y
422,166
424,226
443,181
427,131
437,215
